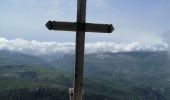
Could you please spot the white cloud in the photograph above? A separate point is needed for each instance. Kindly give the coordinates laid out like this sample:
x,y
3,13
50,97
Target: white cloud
x,y
35,47
166,38
123,47
44,48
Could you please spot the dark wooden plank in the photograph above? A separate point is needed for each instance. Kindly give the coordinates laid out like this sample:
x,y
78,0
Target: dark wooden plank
x,y
80,42
72,26
99,28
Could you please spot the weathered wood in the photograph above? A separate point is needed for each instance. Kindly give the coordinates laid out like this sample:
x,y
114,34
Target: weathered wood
x,y
72,26
80,42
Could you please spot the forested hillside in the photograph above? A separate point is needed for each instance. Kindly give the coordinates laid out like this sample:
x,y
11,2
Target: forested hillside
x,y
107,76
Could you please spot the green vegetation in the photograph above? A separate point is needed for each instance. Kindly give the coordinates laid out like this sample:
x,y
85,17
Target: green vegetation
x,y
108,76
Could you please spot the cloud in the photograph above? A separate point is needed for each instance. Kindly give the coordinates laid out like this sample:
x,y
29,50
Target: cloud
x,y
45,48
123,47
166,38
35,47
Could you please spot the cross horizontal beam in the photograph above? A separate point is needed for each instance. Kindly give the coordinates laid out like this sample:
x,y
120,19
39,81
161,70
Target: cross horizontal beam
x,y
72,26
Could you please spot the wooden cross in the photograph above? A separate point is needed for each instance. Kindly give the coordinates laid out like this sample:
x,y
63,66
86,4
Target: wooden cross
x,y
80,27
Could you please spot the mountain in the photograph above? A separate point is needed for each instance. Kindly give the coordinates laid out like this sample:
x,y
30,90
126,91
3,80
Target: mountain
x,y
16,58
107,76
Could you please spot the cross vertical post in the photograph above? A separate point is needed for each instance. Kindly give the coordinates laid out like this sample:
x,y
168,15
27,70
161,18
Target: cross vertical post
x,y
80,42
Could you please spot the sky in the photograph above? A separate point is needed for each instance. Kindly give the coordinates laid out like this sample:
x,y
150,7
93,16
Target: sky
x,y
143,21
